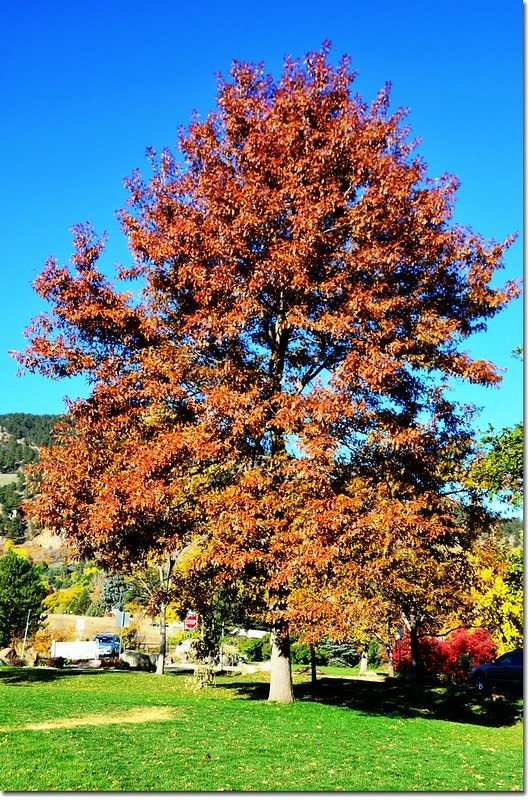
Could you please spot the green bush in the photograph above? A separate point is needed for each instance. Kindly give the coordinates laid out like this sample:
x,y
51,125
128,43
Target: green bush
x,y
301,654
131,636
253,649
373,652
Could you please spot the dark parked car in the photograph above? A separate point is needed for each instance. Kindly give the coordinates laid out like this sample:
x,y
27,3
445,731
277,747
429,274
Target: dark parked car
x,y
504,672
108,644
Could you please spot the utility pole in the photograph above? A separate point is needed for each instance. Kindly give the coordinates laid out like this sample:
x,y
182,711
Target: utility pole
x,y
25,634
121,622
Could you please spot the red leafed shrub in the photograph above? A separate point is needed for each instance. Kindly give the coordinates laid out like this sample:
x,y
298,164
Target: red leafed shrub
x,y
452,657
464,649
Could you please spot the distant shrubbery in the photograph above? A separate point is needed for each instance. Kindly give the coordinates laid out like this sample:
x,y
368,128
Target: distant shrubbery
x,y
301,654
253,650
42,639
335,654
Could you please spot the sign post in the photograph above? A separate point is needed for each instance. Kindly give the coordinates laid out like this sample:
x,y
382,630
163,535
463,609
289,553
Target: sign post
x,y
121,619
79,626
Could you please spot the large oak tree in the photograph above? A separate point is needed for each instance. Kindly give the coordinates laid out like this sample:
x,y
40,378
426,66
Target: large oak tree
x,y
306,296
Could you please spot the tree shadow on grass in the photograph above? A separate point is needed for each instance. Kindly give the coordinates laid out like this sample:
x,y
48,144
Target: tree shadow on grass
x,y
22,675
394,698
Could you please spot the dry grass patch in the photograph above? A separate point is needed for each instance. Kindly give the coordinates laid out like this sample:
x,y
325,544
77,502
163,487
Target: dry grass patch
x,y
133,716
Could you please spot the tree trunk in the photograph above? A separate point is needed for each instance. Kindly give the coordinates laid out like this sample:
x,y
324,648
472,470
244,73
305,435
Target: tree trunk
x,y
390,658
313,667
281,685
160,661
165,573
415,654
364,663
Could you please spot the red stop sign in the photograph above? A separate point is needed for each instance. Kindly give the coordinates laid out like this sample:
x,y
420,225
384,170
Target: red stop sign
x,y
190,621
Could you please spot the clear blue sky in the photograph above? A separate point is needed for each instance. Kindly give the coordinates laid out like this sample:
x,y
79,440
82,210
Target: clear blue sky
x,y
87,86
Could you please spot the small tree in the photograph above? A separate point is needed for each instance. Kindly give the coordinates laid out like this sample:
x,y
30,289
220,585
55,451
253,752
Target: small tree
x,y
497,593
499,468
114,592
21,594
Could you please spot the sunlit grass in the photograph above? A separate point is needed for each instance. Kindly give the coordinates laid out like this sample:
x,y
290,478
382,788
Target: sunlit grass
x,y
141,732
345,671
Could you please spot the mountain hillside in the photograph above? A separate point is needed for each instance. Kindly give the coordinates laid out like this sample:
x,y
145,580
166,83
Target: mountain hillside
x,y
21,435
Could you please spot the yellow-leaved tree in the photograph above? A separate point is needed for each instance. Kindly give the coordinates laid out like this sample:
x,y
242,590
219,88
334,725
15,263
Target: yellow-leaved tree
x,y
497,593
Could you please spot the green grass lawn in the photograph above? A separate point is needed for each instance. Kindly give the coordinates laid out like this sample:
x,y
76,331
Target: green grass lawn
x,y
346,671
79,731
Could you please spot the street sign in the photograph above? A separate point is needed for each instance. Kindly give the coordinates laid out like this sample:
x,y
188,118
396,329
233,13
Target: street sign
x,y
190,621
122,619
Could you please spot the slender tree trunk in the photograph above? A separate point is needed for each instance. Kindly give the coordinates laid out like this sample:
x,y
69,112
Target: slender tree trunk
x,y
364,663
165,572
390,659
281,685
389,643
160,661
313,667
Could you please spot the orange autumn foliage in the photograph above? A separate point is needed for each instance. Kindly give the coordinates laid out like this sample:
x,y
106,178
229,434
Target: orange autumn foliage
x,y
305,294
